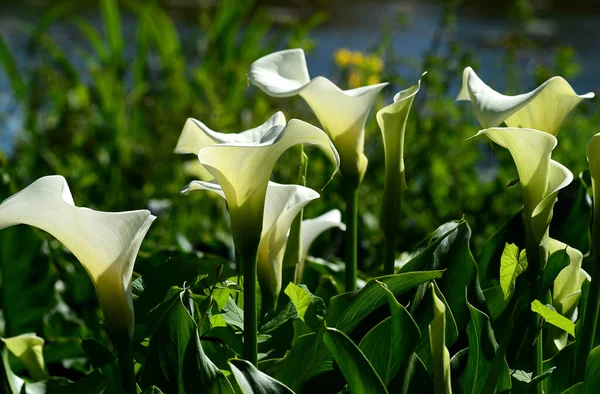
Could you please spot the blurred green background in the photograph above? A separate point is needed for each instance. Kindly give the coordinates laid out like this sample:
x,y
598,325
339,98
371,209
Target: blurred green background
x,y
99,92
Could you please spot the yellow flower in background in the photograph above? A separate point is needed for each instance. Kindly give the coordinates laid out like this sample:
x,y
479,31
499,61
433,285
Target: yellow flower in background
x,y
342,57
375,64
373,80
353,79
357,58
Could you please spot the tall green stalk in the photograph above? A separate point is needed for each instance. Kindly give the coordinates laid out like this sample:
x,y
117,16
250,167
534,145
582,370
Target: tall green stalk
x,y
351,237
537,257
125,361
249,264
585,342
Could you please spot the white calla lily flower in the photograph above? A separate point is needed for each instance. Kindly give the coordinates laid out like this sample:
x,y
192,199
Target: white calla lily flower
x,y
543,109
282,205
540,177
342,113
243,171
392,122
28,348
196,135
105,243
311,229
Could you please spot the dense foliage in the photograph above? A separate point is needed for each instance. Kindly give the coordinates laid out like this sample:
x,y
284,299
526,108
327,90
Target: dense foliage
x,y
458,314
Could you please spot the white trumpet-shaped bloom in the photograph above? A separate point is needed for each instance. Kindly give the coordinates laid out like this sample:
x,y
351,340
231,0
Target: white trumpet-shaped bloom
x,y
392,122
282,205
28,348
243,171
342,113
540,177
543,109
311,229
105,243
196,135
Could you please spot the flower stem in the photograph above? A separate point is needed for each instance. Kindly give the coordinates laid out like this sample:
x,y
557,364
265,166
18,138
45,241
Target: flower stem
x,y
537,256
589,323
250,307
125,360
351,237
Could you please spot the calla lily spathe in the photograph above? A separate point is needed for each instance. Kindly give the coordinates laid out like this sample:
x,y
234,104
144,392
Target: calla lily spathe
x,y
543,109
243,171
392,122
540,177
311,229
342,113
282,205
105,243
28,348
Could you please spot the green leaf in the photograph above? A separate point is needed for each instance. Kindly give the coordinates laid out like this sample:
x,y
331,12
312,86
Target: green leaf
x,y
553,317
311,309
253,381
575,389
512,264
439,352
591,382
561,377
7,61
556,262
347,310
97,353
286,311
358,372
390,344
92,383
482,351
176,361
525,381
233,315
111,18
307,358
152,390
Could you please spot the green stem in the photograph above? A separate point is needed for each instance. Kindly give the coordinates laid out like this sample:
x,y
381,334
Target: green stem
x,y
125,360
590,319
351,237
537,257
250,308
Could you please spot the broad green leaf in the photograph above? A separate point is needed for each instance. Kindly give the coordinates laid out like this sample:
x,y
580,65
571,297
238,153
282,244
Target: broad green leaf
x,y
307,358
97,353
359,373
439,352
233,315
389,345
311,309
512,264
482,350
556,262
575,389
286,311
562,374
92,383
347,310
525,381
591,382
253,381
176,361
553,317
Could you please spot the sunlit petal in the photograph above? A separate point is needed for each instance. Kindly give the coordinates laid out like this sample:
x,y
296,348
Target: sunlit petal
x,y
196,135
28,348
392,122
312,228
243,172
342,113
105,243
543,109
567,285
282,205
